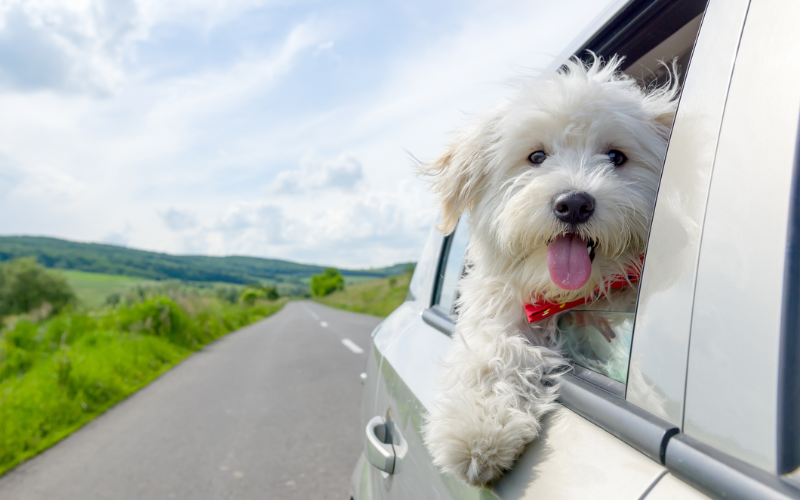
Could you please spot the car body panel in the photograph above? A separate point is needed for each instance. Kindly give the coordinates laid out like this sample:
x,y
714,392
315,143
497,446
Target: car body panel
x,y
419,478
361,486
570,445
669,488
731,395
572,458
663,317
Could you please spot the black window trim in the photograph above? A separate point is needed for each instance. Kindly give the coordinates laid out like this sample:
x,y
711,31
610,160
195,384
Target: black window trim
x,y
788,431
639,27
436,315
444,253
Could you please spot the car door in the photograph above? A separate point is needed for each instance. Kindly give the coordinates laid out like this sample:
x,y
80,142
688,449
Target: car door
x,y
741,400
411,351
612,436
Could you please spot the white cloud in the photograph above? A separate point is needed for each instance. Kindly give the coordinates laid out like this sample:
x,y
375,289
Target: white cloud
x,y
118,238
262,218
228,142
178,220
341,173
74,46
327,47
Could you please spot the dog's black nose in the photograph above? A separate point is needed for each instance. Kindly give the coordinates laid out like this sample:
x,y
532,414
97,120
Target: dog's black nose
x,y
574,208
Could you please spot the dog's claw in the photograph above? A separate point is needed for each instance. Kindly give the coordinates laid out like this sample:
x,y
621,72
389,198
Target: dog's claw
x,y
479,473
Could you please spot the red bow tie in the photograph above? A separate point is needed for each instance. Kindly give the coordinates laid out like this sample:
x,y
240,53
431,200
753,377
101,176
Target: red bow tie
x,y
542,309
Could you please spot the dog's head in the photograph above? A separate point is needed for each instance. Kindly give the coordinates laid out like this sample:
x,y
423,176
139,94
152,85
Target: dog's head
x,y
560,179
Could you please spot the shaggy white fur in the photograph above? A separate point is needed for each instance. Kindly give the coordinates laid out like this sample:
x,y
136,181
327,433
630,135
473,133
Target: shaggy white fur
x,y
501,373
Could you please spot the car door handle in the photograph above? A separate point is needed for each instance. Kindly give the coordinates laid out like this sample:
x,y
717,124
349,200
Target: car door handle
x,y
385,446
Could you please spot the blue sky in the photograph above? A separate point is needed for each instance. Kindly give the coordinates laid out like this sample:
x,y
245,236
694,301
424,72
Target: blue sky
x,y
273,129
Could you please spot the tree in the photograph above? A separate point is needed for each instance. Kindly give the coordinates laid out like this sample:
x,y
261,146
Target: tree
x,y
26,285
327,282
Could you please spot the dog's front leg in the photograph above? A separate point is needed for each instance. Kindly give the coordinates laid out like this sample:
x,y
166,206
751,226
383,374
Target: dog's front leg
x,y
498,387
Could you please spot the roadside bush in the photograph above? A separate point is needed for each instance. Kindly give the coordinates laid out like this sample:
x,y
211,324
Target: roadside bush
x,y
59,373
326,283
26,286
112,299
159,316
255,292
228,294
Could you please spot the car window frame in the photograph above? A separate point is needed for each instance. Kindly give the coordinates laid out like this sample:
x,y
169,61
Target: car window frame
x,y
433,314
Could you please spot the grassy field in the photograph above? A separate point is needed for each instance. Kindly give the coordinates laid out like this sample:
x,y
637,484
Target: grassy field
x,y
377,297
58,374
93,288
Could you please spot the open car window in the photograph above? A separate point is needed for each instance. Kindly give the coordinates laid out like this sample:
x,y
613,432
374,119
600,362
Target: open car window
x,y
597,341
600,340
451,267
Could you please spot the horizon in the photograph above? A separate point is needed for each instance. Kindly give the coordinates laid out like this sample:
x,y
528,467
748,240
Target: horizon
x,y
367,268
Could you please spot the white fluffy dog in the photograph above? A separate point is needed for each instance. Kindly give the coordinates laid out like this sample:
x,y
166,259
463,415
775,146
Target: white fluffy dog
x,y
559,182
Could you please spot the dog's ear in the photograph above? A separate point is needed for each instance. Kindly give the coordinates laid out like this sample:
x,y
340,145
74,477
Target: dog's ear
x,y
664,113
458,175
662,101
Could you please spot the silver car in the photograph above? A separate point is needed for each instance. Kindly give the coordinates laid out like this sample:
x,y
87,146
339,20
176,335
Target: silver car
x,y
704,400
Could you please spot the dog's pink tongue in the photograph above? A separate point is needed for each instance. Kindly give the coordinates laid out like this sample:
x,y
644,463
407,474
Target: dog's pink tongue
x,y
568,262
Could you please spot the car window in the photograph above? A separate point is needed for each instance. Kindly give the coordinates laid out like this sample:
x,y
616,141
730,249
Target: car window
x,y
596,336
600,340
452,266
423,270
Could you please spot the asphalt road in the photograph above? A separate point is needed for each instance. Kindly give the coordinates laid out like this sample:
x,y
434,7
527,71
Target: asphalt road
x,y
271,411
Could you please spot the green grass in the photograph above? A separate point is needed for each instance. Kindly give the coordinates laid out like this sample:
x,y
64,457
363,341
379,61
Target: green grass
x,y
355,280
377,297
93,288
58,374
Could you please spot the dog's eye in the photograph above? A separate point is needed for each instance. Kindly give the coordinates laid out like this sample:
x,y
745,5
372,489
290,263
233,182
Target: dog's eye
x,y
537,157
617,157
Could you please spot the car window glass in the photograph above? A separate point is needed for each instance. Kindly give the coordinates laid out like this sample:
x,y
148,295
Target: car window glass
x,y
452,265
600,340
424,268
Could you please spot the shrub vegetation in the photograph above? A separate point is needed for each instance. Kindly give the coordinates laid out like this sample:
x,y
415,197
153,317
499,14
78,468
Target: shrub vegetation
x,y
59,372
25,286
377,297
326,283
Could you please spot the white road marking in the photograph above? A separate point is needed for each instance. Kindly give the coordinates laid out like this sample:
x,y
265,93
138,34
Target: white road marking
x,y
323,324
352,346
309,311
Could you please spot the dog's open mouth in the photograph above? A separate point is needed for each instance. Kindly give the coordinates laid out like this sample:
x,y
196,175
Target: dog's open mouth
x,y
569,260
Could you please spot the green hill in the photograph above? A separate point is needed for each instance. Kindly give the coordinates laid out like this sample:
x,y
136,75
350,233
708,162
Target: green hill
x,y
121,261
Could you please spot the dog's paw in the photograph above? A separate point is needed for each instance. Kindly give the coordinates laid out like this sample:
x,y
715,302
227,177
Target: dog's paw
x,y
474,445
483,468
